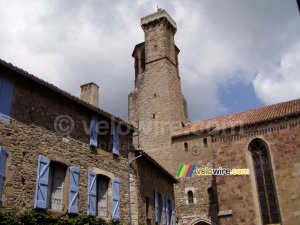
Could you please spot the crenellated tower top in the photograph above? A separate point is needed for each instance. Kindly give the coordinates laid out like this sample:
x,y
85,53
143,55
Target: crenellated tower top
x,y
158,17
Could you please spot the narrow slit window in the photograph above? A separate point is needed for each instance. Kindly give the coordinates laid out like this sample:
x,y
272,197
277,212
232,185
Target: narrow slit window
x,y
190,197
205,143
210,192
186,146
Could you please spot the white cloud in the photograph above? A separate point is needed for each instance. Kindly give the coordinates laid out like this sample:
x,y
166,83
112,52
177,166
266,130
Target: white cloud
x,y
281,82
69,43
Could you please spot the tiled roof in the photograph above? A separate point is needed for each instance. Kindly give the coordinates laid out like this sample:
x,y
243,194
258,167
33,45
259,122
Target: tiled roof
x,y
247,118
66,94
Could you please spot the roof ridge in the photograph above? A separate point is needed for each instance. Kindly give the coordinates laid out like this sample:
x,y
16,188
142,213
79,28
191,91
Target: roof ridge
x,y
61,91
243,118
244,111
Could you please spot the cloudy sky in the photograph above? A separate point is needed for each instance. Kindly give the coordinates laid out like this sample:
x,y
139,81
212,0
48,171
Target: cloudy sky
x,y
235,55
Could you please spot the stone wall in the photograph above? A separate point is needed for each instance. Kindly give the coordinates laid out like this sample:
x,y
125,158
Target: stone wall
x,y
150,180
191,150
239,193
32,132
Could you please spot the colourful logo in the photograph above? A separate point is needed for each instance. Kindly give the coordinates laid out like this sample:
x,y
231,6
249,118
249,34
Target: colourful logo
x,y
185,170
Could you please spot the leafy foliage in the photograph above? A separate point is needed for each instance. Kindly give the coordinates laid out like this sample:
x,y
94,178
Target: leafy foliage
x,y
42,218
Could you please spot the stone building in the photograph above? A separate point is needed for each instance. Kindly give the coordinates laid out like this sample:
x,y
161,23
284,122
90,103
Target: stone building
x,y
261,145
66,156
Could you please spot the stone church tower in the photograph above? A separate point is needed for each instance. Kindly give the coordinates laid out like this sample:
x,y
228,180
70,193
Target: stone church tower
x,y
157,105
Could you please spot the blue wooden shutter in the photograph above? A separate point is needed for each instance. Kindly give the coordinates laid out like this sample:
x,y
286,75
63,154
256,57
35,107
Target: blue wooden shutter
x,y
156,206
173,213
73,190
167,211
42,183
164,210
115,198
94,131
92,200
3,157
115,141
6,97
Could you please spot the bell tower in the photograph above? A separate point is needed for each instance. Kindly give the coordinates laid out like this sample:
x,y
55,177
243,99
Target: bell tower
x,y
157,105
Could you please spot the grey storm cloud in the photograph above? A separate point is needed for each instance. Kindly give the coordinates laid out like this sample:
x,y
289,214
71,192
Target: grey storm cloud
x,y
68,43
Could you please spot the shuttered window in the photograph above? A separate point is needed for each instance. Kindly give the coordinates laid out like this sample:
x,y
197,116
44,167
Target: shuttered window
x,y
6,98
98,187
50,189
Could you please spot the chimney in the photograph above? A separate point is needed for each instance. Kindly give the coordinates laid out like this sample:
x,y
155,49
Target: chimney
x,y
90,93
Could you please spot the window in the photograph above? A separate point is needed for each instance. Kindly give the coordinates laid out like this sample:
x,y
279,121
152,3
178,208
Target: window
x,y
186,146
3,157
56,185
190,197
50,189
264,180
104,136
6,98
98,187
205,143
210,192
102,188
101,135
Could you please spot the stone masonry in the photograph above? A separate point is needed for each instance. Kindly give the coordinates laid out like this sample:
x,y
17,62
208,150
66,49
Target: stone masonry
x,y
157,105
47,121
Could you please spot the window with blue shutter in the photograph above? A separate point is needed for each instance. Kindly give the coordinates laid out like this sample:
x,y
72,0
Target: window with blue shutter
x,y
94,131
156,206
92,198
167,211
3,157
42,180
173,213
115,198
73,190
6,97
115,141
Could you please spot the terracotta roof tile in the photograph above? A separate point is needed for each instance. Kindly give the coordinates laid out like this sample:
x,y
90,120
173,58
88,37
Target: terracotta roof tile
x,y
246,118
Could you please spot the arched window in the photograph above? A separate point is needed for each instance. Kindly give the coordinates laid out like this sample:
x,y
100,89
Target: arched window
x,y
210,192
205,143
265,183
186,146
190,197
